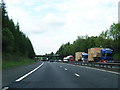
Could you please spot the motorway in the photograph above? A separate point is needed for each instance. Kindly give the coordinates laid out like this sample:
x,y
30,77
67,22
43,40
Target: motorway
x,y
63,75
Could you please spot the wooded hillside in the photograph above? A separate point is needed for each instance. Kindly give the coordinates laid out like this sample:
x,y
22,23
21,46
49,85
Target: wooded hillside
x,y
15,43
107,39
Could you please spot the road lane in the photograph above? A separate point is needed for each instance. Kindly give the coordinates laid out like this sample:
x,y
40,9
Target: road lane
x,y
54,75
50,75
21,78
100,79
10,75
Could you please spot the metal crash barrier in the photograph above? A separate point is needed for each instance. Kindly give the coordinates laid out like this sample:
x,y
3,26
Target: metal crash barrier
x,y
98,64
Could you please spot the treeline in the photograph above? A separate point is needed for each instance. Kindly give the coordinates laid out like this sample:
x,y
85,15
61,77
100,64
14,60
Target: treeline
x,y
107,39
15,43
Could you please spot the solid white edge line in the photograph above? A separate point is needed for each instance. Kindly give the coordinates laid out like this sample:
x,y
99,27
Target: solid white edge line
x,y
77,74
112,72
103,70
29,73
5,88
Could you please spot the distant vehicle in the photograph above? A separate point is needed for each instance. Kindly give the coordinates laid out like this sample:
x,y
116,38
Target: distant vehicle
x,y
84,57
100,54
60,60
70,58
81,56
102,61
78,56
55,60
65,59
51,60
106,54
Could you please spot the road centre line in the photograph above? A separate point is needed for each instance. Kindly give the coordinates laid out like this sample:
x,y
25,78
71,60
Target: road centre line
x,y
21,78
77,74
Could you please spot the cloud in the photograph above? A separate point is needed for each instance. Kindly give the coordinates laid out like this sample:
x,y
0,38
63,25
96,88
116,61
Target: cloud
x,y
49,23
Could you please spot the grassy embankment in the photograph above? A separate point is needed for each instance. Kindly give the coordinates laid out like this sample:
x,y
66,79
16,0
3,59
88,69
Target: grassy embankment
x,y
13,63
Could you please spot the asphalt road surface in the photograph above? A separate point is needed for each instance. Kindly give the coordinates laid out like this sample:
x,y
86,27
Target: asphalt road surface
x,y
62,75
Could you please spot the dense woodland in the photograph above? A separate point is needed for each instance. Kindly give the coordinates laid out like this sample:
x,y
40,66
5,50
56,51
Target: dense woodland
x,y
107,39
15,44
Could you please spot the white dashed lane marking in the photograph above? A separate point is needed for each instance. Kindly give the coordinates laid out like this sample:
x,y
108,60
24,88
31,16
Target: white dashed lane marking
x,y
77,75
66,69
60,66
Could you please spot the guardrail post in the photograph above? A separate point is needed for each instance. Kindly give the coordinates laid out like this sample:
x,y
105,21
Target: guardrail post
x,y
93,65
87,64
81,63
103,66
106,66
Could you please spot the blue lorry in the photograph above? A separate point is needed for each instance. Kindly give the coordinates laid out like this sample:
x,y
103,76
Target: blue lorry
x,y
106,54
84,57
100,55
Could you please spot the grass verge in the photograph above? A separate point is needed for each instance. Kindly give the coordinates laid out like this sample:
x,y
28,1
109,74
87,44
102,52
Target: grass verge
x,y
12,64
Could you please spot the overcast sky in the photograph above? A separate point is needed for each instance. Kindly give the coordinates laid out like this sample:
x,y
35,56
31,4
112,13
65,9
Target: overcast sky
x,y
51,23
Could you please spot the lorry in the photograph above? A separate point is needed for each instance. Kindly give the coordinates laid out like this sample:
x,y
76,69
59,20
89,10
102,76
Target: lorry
x,y
68,58
100,54
81,56
78,56
106,54
85,57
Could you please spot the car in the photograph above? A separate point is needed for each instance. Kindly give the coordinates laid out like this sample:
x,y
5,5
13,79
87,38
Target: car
x,y
55,60
103,61
65,60
51,60
59,60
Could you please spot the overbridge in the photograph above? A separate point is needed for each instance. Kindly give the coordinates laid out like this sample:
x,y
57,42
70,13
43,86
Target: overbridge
x,y
54,56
